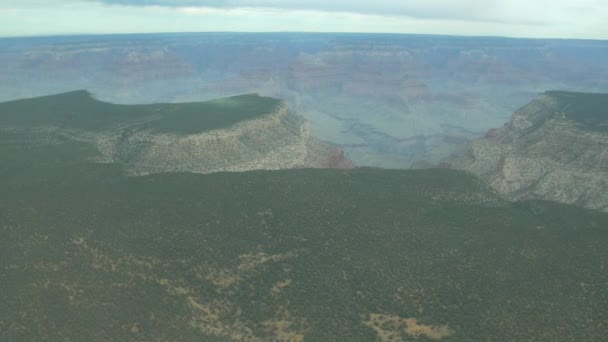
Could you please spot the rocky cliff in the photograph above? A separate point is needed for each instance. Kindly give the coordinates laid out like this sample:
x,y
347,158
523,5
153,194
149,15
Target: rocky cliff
x,y
239,133
277,140
555,148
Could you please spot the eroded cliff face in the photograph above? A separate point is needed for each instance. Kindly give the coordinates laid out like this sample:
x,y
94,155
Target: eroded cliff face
x,y
547,151
240,133
278,140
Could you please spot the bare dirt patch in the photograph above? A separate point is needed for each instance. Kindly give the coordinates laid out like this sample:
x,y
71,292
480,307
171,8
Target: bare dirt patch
x,y
283,327
395,328
278,287
252,260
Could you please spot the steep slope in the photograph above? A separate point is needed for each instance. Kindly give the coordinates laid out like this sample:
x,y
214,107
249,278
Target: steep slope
x,y
233,134
555,148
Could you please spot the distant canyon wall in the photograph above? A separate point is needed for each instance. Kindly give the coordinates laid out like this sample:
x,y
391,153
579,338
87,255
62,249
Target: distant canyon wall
x,y
388,100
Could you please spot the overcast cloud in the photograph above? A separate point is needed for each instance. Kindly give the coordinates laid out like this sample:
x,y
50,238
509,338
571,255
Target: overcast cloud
x,y
421,9
518,18
514,11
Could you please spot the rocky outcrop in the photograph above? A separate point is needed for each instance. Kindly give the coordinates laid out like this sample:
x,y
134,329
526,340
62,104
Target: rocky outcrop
x,y
278,140
555,148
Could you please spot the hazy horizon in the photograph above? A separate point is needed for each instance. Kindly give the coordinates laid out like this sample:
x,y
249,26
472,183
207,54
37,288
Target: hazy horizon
x,y
152,33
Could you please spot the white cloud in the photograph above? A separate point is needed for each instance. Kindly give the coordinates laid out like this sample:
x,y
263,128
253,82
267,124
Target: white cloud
x,y
518,18
504,11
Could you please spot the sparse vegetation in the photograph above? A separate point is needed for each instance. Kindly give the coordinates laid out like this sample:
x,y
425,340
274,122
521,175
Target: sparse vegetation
x,y
184,256
88,253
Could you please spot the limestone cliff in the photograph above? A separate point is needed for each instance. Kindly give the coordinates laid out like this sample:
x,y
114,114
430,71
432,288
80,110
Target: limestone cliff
x,y
277,140
240,133
555,148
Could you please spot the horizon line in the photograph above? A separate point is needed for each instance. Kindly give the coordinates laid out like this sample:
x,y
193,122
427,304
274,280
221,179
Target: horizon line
x,y
100,34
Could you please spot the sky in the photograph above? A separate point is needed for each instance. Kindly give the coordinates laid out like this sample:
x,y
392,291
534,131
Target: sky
x,y
585,19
